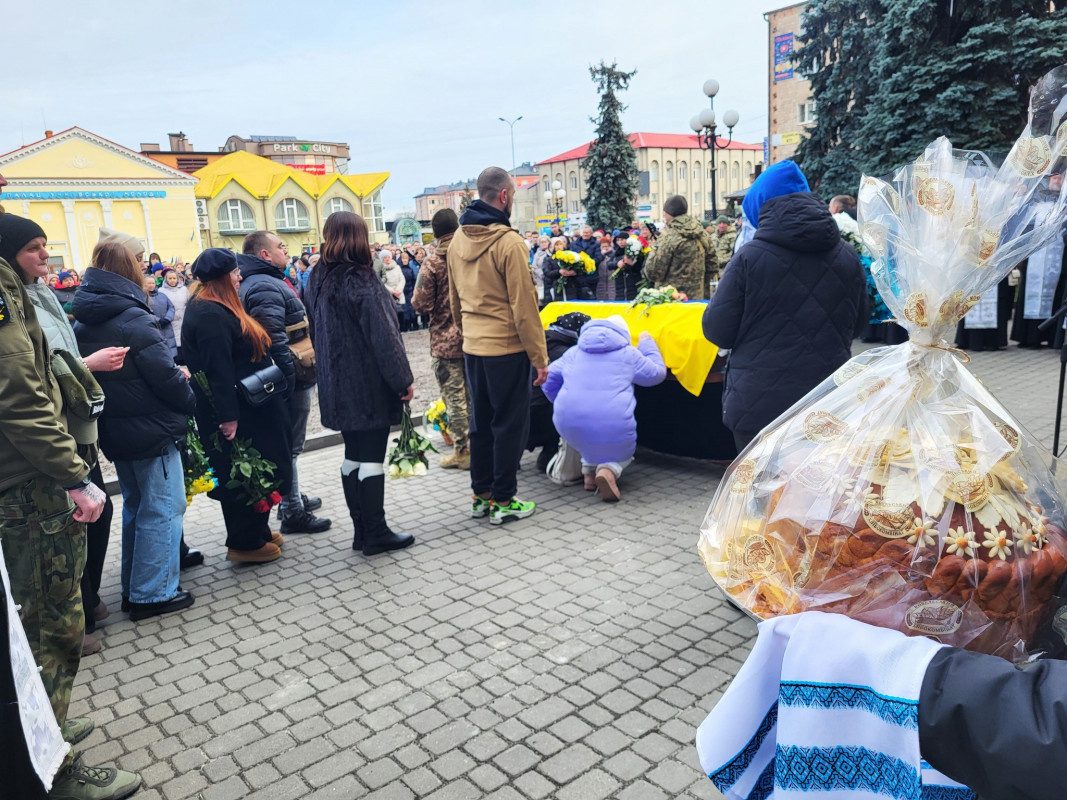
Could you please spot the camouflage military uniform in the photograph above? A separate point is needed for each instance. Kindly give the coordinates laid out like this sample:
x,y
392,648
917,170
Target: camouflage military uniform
x,y
452,378
724,246
43,546
45,552
684,258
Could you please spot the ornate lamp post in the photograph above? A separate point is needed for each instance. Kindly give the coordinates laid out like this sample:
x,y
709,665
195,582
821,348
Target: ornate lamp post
x,y
511,125
555,195
703,124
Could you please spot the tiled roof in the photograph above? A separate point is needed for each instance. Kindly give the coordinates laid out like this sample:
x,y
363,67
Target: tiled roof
x,y
666,140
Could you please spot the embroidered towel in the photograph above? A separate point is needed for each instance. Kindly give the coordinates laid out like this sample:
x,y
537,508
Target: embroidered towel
x,y
824,708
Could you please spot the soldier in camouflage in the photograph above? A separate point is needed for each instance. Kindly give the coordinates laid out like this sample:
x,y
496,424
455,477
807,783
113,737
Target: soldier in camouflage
x,y
446,342
46,499
724,237
685,256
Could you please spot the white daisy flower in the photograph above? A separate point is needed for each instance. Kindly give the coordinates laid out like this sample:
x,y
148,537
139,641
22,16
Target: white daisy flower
x,y
960,542
922,533
1027,540
999,544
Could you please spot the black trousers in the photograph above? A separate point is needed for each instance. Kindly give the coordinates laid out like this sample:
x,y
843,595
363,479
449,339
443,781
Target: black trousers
x,y
500,419
97,535
366,446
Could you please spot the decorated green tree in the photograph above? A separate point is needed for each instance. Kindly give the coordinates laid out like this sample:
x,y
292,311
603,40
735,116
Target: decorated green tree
x,y
466,198
611,163
889,76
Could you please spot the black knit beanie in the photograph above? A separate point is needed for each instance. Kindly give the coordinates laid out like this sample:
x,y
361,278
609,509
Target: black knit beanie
x,y
16,233
444,222
675,205
572,321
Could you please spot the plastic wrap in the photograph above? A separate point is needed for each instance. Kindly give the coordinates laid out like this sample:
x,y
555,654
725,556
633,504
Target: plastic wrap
x,y
899,491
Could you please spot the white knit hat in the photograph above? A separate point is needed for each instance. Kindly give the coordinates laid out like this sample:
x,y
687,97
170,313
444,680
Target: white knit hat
x,y
130,242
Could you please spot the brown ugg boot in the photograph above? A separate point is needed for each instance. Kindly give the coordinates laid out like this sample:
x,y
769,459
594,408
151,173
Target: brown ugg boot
x,y
606,483
458,459
268,552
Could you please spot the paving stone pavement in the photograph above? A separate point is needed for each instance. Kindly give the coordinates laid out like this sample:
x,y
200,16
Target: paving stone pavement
x,y
570,655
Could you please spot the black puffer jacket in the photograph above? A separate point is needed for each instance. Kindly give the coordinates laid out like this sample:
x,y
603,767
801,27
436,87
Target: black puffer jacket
x,y
268,300
788,306
148,401
362,366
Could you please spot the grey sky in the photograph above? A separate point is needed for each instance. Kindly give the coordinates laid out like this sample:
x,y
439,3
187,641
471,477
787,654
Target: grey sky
x,y
416,88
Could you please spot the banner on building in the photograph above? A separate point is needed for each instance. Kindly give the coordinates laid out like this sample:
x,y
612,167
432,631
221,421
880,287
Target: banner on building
x,y
783,57
311,169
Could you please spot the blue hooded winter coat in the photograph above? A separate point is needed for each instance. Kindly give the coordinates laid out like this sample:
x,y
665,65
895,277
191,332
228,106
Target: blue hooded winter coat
x,y
592,389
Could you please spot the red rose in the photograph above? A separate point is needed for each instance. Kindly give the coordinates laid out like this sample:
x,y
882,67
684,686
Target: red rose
x,y
275,498
261,506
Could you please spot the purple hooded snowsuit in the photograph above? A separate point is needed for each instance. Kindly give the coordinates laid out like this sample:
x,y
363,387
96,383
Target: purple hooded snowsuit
x,y
592,390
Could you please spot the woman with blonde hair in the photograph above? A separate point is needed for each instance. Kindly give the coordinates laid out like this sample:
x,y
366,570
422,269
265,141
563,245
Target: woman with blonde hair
x,y
224,344
147,405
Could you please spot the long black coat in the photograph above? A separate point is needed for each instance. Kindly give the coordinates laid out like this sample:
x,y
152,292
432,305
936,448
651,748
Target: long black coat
x,y
212,344
788,306
148,402
362,366
267,298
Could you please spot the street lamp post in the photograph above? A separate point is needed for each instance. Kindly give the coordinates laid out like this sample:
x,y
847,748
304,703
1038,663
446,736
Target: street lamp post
x,y
703,124
512,126
555,196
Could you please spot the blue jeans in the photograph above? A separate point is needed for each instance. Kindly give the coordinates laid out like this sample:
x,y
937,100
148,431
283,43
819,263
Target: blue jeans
x,y
153,505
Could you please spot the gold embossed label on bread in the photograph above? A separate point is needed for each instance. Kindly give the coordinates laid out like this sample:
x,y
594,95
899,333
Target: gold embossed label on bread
x,y
915,309
1010,434
848,371
970,489
987,243
744,475
891,520
1031,156
757,555
822,427
815,474
934,617
935,196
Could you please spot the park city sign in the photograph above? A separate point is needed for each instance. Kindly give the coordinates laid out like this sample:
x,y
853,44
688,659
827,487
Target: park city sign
x,y
303,148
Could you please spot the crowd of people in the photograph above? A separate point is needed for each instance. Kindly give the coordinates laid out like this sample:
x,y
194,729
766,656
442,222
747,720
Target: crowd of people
x,y
125,360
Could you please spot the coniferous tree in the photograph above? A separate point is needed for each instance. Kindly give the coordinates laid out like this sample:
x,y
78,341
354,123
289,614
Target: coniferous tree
x,y
835,54
611,163
890,76
466,198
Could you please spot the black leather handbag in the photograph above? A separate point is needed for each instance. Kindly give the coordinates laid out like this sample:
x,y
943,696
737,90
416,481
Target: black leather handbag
x,y
262,385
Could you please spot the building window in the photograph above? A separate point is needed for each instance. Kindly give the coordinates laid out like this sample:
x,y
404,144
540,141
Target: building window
x,y
696,198
711,197
653,199
724,178
372,208
681,172
291,215
668,173
711,172
653,171
806,112
574,181
335,204
735,173
235,216
748,171
574,206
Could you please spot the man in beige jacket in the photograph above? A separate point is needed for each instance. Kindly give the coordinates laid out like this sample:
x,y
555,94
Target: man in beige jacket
x,y
494,303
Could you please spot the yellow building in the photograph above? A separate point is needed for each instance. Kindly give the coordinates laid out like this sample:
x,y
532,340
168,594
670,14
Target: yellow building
x,y
75,182
241,192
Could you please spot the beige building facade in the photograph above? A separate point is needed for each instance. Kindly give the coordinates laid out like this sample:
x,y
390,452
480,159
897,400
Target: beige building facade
x,y
791,108
315,158
668,164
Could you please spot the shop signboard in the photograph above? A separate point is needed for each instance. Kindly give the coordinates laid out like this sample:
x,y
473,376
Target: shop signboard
x,y
783,57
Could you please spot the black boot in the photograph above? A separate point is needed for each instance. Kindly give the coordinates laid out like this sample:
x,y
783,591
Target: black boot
x,y
350,483
377,538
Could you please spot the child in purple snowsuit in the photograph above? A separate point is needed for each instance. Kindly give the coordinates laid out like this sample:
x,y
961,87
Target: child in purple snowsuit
x,y
592,391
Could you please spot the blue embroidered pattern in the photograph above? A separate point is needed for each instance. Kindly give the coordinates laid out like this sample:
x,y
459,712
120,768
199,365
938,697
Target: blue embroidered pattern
x,y
947,793
893,710
808,769
765,785
731,771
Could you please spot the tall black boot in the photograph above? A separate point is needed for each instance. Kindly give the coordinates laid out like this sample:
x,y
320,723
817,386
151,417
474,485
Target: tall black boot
x,y
350,483
377,538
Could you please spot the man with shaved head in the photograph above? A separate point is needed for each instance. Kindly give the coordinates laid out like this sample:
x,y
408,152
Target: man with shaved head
x,y
494,304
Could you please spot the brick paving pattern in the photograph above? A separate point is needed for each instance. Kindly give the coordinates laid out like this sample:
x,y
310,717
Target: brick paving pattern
x,y
570,655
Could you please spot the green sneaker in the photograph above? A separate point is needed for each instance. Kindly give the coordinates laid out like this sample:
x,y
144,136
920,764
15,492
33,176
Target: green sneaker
x,y
480,507
74,730
514,509
79,782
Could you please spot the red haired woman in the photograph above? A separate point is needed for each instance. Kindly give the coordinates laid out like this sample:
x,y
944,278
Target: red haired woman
x,y
220,340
